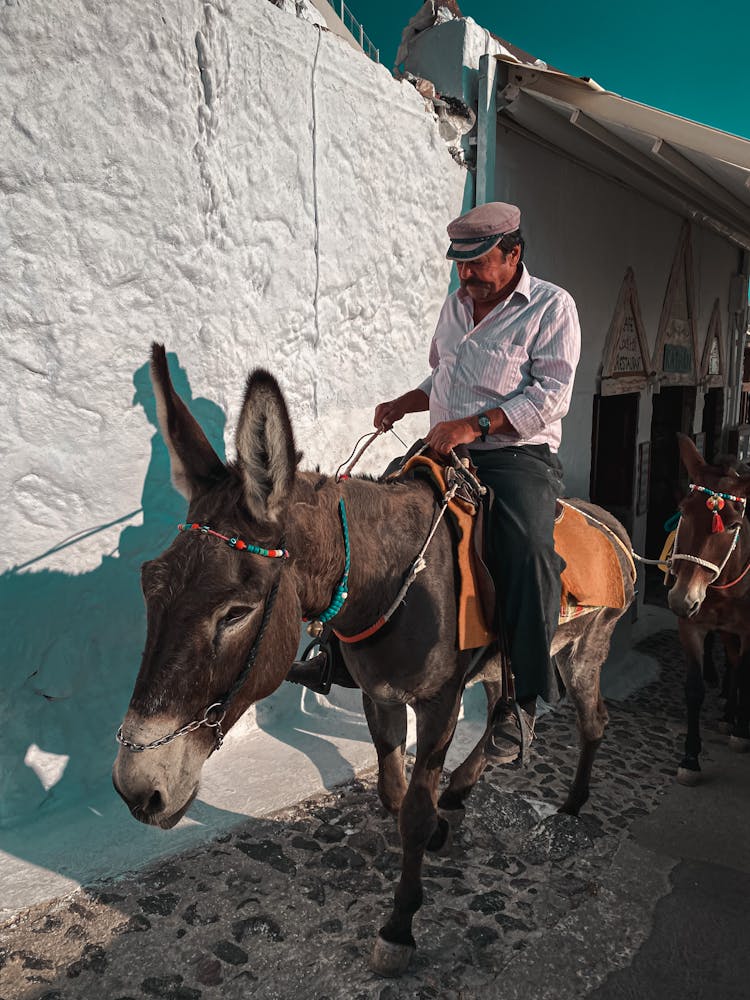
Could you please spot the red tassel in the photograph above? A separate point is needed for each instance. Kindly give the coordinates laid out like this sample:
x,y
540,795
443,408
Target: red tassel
x,y
717,524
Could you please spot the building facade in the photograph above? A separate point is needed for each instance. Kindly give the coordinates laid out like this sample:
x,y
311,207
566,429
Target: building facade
x,y
644,218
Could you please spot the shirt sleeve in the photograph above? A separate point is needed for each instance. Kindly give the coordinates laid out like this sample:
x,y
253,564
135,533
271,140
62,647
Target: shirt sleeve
x,y
554,356
426,385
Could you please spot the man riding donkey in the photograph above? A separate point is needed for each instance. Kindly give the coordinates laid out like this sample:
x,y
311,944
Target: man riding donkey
x,y
503,360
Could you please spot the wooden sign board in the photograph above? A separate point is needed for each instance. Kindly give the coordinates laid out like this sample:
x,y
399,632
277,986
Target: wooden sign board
x,y
675,354
625,360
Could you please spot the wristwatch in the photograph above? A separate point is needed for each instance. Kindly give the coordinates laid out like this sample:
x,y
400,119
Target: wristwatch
x,y
484,426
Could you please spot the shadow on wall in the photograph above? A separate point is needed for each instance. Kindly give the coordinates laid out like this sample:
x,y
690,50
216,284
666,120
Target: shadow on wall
x,y
71,647
69,653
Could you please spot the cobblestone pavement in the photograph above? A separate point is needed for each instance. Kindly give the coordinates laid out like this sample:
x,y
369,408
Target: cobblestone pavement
x,y
288,906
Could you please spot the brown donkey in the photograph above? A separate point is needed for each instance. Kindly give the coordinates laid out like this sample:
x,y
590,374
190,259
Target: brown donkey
x,y
223,626
711,592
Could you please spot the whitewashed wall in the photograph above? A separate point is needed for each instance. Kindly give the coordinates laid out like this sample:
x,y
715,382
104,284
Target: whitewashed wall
x,y
161,170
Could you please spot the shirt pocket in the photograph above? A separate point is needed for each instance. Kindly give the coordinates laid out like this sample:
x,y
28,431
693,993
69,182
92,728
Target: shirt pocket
x,y
499,370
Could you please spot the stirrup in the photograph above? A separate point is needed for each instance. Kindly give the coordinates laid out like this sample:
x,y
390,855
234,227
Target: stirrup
x,y
313,671
519,735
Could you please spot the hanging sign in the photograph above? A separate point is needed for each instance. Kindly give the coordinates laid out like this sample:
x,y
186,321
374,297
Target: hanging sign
x,y
625,364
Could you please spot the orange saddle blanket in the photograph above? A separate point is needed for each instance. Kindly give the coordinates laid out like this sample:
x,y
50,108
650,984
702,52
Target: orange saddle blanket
x,y
592,577
593,573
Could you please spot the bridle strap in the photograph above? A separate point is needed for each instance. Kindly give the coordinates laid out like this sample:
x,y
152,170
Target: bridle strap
x,y
252,655
726,586
715,569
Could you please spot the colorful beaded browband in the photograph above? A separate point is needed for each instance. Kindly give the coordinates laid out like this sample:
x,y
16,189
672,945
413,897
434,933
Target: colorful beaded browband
x,y
715,503
715,493
235,543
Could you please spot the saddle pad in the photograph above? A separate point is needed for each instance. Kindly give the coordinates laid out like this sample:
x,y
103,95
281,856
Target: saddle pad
x,y
473,630
592,576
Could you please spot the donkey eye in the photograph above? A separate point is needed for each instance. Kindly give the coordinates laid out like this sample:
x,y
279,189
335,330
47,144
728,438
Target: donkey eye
x,y
235,615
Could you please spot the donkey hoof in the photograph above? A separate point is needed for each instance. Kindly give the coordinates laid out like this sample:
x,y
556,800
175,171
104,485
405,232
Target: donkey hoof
x,y
724,727
570,807
740,744
389,959
687,776
453,817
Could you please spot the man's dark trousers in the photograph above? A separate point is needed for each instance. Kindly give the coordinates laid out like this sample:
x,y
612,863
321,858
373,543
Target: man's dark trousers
x,y
526,481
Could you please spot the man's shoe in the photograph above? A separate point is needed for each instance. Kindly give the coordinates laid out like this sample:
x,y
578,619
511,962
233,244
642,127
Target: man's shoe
x,y
314,673
512,734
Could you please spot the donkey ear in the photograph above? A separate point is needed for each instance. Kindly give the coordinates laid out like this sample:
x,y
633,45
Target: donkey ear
x,y
691,457
265,448
195,465
266,454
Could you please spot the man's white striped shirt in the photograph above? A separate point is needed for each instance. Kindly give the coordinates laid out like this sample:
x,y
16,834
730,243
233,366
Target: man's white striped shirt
x,y
521,357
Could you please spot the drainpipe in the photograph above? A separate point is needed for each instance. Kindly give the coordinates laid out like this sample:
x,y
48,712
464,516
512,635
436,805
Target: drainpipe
x,y
486,130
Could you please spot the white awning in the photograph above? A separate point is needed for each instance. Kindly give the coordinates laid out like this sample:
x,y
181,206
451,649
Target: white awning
x,y
696,170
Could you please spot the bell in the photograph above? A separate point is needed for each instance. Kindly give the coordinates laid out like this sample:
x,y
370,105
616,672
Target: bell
x,y
315,629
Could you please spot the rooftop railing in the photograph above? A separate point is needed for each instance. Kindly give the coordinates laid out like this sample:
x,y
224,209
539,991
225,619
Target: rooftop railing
x,y
358,32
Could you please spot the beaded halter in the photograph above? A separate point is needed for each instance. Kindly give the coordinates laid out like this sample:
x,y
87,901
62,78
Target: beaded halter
x,y
716,502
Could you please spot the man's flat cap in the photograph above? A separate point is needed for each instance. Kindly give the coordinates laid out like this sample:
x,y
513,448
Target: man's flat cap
x,y
476,233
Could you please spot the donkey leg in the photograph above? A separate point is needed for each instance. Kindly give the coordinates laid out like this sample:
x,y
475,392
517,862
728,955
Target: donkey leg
x,y
729,688
466,775
580,665
692,638
387,725
419,825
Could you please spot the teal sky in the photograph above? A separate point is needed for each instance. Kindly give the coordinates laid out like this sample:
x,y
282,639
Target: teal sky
x,y
691,59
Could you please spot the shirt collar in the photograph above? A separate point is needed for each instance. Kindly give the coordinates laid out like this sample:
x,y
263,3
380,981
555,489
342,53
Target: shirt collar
x,y
522,288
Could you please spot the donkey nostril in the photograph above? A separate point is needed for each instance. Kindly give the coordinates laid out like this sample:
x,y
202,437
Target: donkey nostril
x,y
154,805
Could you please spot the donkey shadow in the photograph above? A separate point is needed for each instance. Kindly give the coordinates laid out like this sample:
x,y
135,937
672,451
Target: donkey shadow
x,y
69,650
70,646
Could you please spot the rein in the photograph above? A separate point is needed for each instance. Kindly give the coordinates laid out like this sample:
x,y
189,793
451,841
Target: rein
x,y
416,567
214,715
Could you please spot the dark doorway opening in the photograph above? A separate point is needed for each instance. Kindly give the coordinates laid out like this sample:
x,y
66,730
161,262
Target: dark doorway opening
x,y
673,412
713,419
613,455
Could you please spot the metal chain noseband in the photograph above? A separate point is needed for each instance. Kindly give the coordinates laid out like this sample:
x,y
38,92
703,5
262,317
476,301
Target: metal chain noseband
x,y
221,706
189,728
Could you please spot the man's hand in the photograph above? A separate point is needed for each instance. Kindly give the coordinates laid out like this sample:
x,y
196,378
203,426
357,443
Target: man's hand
x,y
449,433
414,401
386,414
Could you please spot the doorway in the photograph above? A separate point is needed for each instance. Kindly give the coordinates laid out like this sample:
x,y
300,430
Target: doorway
x,y
613,455
713,420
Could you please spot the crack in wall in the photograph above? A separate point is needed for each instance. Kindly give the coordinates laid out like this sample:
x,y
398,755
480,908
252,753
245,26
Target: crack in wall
x,y
203,68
